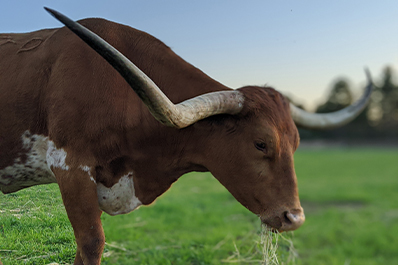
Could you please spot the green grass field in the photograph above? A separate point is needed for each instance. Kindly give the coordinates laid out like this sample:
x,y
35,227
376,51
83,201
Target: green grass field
x,y
350,197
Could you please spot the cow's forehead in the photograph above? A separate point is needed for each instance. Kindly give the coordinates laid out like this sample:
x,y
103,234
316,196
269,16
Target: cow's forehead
x,y
269,112
265,100
267,104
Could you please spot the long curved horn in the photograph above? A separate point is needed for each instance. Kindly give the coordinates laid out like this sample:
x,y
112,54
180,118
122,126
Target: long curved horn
x,y
334,119
175,115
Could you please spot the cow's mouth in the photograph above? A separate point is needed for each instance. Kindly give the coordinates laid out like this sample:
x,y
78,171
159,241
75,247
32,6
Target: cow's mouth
x,y
271,229
272,224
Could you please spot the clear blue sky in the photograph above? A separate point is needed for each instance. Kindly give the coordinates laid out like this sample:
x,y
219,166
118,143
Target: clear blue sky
x,y
297,46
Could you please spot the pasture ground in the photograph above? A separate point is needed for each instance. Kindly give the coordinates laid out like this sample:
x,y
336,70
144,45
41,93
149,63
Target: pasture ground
x,y
350,197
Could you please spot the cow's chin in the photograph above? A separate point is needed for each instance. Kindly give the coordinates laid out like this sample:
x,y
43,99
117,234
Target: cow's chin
x,y
272,224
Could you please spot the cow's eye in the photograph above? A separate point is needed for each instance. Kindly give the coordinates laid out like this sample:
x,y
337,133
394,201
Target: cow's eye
x,y
261,146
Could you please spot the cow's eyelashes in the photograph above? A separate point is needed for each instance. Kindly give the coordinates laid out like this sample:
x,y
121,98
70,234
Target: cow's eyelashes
x,y
261,146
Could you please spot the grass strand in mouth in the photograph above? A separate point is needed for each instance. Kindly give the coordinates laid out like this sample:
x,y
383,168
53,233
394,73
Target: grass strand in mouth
x,y
276,248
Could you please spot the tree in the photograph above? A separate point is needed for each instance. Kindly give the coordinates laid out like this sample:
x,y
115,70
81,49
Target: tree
x,y
339,97
379,121
383,108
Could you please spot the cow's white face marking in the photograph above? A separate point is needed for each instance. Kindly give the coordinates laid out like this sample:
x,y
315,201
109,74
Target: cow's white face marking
x,y
120,198
33,166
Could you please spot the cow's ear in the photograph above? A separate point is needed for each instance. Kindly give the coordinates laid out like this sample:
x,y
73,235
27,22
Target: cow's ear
x,y
223,122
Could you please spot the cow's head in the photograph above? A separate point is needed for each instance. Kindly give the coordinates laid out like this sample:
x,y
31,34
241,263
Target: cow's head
x,y
254,156
259,134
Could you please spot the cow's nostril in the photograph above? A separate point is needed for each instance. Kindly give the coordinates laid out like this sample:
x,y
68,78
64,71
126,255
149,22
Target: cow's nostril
x,y
286,216
292,220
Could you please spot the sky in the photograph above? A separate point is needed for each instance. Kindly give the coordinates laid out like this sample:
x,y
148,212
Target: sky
x,y
299,47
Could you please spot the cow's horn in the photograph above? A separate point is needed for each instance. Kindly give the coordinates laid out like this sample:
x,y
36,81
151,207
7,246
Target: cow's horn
x,y
334,119
176,115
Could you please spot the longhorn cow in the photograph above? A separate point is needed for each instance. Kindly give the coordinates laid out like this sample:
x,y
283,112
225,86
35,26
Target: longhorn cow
x,y
115,141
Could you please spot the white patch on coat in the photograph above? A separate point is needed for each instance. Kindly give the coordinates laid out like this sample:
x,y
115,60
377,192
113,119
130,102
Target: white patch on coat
x,y
33,166
88,170
30,168
120,198
56,157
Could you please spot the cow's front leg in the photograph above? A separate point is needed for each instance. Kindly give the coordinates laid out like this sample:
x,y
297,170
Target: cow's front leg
x,y
79,194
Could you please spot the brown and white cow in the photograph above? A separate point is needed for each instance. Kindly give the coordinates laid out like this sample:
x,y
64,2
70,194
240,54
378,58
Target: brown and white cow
x,y
68,117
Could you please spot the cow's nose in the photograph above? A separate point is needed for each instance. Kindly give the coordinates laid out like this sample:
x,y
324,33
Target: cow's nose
x,y
292,219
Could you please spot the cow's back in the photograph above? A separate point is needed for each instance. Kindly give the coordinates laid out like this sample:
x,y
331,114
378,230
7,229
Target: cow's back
x,y
55,86
23,73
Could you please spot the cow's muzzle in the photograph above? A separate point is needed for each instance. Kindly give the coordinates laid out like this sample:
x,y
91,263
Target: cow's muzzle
x,y
286,221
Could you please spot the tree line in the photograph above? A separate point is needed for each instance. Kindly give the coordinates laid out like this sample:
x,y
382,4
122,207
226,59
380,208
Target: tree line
x,y
378,122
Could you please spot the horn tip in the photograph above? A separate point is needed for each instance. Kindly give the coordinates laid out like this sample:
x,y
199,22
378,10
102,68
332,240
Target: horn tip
x,y
56,14
369,88
368,75
49,10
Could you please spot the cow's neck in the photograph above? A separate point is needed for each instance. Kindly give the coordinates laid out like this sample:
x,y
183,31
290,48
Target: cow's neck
x,y
164,157
163,154
178,79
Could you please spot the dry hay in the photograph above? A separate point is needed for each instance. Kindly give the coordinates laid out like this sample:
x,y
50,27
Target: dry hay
x,y
273,248
276,248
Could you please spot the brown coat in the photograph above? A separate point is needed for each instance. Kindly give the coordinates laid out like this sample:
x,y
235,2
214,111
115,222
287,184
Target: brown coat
x,y
68,117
